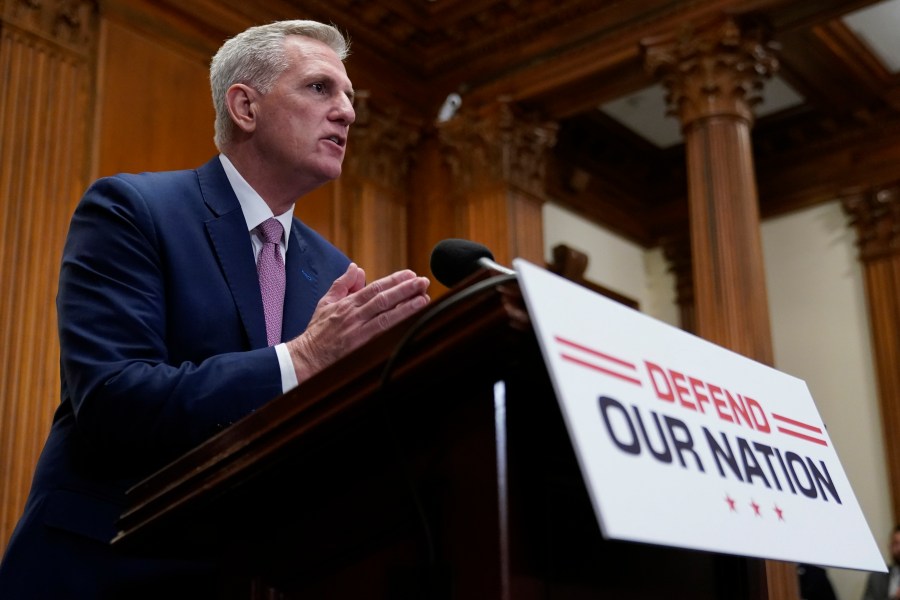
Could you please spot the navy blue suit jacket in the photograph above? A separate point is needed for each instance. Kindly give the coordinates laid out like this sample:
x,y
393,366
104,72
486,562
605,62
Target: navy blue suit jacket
x,y
162,344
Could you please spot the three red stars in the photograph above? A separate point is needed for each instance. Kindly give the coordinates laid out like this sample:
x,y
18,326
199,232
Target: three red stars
x,y
757,509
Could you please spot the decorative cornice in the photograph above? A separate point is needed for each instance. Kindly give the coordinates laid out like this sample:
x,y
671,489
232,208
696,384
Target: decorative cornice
x,y
382,144
714,70
72,24
501,142
875,213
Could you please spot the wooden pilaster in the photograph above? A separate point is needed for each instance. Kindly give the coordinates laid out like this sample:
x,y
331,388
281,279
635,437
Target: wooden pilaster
x,y
45,112
875,214
497,157
374,188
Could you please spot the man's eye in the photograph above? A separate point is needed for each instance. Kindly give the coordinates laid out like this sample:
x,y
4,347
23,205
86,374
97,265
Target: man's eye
x,y
319,87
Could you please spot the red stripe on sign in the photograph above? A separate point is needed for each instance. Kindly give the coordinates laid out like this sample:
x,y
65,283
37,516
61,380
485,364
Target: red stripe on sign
x,y
597,353
797,423
803,436
603,370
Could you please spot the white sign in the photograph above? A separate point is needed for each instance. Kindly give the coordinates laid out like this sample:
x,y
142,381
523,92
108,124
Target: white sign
x,y
684,443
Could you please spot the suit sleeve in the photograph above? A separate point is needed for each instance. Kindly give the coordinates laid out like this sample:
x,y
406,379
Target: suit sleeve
x,y
870,592
127,393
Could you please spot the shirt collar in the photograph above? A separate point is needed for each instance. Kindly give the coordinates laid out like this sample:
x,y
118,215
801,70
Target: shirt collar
x,y
253,206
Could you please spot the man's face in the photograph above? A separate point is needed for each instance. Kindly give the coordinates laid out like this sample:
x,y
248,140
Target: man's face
x,y
304,120
895,547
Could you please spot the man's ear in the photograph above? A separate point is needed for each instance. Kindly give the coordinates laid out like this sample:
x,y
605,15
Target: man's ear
x,y
241,102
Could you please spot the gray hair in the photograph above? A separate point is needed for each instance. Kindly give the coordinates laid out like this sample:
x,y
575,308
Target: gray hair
x,y
256,57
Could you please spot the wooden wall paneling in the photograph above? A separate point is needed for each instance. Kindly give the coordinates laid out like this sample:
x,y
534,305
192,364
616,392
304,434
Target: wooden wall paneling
x,y
375,185
367,222
431,209
380,218
196,27
155,110
322,210
485,216
498,157
45,110
508,222
528,226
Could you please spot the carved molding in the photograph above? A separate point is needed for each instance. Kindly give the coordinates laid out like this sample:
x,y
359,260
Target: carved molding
x,y
382,144
500,143
875,213
72,24
677,250
714,70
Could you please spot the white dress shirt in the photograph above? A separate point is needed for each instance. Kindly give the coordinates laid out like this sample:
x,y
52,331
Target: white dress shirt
x,y
255,212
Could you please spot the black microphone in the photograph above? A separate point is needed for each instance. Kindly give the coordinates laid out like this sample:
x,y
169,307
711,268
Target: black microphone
x,y
453,259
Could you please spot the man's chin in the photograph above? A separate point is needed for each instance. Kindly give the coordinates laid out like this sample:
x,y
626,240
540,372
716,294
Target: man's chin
x,y
333,173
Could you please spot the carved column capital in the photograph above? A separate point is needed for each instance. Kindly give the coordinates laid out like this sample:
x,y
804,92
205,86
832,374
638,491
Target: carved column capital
x,y
501,142
875,213
713,75
72,24
714,70
382,144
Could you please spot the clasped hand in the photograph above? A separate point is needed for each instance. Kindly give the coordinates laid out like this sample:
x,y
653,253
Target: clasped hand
x,y
351,313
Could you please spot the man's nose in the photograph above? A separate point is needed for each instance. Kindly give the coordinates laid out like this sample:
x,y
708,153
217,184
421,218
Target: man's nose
x,y
344,111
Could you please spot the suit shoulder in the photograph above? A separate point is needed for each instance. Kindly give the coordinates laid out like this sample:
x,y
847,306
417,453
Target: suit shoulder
x,y
151,181
148,191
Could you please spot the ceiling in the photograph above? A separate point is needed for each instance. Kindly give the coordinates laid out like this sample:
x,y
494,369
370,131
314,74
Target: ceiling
x,y
833,105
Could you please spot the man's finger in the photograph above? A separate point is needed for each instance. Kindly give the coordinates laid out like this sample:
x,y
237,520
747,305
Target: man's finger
x,y
387,319
388,298
346,284
379,286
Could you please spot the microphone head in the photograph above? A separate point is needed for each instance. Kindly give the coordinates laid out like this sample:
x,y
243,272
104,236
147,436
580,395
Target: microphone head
x,y
453,259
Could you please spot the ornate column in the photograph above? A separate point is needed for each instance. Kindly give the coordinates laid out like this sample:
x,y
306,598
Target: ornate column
x,y
46,66
875,213
713,75
497,157
374,190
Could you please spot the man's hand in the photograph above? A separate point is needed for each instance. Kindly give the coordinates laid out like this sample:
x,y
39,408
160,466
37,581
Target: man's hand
x,y
351,313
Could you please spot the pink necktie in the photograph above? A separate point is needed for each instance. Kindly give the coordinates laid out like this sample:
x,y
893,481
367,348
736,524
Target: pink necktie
x,y
270,267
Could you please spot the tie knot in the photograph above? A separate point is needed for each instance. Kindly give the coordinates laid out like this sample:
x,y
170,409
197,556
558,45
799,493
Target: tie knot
x,y
271,230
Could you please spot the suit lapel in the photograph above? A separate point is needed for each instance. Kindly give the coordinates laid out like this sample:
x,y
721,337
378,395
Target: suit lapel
x,y
302,289
234,251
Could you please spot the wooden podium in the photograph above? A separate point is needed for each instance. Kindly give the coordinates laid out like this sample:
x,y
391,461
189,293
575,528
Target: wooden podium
x,y
454,479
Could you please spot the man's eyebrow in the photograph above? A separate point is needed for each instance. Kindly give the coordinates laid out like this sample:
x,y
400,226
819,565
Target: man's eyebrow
x,y
333,82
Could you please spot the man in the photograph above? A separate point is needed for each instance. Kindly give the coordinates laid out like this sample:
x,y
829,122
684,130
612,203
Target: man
x,y
886,586
189,299
814,583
